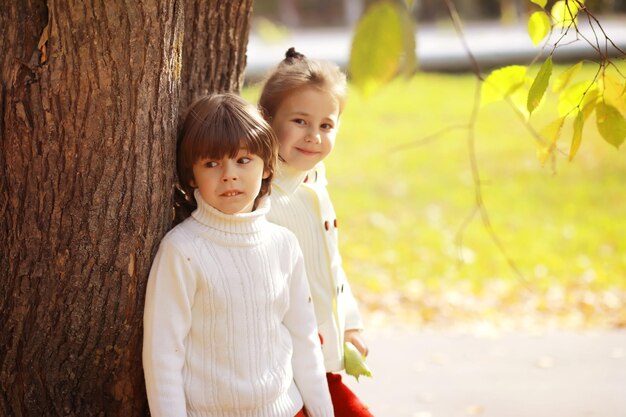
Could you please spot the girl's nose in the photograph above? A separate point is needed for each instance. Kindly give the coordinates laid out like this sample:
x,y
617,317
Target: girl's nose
x,y
313,136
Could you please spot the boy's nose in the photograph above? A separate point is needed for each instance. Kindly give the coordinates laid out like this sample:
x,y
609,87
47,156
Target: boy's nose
x,y
229,173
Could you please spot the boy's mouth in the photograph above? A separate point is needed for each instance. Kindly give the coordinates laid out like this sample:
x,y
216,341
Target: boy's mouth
x,y
231,193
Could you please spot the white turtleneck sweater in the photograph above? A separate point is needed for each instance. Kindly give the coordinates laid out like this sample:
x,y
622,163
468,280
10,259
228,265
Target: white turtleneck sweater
x,y
229,327
305,208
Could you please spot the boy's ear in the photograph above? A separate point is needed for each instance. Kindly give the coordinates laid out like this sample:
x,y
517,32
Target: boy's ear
x,y
192,183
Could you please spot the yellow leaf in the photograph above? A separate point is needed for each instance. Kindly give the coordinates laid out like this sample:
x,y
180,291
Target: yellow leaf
x,y
611,124
578,135
614,91
565,12
551,133
538,26
562,80
270,32
576,97
502,83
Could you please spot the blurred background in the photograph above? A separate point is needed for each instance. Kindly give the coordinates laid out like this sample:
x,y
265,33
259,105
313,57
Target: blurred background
x,y
401,180
431,281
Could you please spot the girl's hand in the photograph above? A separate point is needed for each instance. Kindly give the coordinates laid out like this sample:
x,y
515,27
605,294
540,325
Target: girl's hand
x,y
354,337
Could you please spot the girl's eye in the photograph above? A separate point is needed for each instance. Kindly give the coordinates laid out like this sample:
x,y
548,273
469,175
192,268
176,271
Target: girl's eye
x,y
299,121
326,126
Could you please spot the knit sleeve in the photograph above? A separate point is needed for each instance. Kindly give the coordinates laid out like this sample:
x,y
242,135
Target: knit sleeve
x,y
307,361
167,320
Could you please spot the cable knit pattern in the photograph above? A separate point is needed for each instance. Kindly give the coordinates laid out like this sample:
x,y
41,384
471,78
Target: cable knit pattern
x,y
305,208
229,328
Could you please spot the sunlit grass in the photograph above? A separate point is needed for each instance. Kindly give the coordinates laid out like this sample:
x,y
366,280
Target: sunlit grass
x,y
401,210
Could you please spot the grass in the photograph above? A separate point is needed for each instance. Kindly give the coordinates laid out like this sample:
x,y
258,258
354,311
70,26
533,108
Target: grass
x,y
401,209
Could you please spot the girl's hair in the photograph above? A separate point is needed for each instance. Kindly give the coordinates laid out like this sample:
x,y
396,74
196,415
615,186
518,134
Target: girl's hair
x,y
295,72
220,125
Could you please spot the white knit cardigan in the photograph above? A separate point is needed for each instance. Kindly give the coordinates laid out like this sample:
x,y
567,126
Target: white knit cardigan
x,y
229,328
305,208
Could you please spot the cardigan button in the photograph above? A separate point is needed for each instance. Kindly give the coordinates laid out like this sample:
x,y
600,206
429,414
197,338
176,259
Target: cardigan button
x,y
335,223
326,225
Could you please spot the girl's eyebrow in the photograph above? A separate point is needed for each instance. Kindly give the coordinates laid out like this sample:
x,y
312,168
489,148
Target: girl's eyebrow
x,y
299,113
303,113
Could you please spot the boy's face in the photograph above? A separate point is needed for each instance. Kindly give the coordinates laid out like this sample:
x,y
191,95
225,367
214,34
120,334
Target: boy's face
x,y
230,185
306,124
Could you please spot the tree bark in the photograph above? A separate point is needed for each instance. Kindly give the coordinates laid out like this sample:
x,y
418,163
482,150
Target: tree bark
x,y
90,93
214,51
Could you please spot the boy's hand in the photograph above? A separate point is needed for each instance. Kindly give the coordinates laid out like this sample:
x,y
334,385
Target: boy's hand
x,y
354,337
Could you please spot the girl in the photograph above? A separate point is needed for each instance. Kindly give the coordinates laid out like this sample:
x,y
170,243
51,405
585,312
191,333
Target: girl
x,y
302,100
229,326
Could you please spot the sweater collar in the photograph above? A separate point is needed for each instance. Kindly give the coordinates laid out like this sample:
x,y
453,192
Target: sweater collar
x,y
288,178
231,224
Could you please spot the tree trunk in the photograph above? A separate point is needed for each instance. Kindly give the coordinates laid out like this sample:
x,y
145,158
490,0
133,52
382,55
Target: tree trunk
x,y
214,52
89,99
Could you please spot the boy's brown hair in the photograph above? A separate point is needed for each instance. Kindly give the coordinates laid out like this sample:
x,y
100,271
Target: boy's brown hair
x,y
220,125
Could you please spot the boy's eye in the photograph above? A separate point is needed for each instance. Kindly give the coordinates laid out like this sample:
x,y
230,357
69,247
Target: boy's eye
x,y
210,164
244,160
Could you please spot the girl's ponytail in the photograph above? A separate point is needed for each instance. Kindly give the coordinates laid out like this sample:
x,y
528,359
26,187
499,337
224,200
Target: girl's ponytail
x,y
292,55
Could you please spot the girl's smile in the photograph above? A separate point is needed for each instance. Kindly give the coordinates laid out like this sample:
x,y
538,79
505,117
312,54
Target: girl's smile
x,y
307,152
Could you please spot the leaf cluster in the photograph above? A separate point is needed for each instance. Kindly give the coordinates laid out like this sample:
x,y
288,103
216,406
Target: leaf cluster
x,y
383,47
604,95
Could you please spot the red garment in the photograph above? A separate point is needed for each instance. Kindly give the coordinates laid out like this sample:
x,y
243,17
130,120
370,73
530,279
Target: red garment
x,y
345,403
300,413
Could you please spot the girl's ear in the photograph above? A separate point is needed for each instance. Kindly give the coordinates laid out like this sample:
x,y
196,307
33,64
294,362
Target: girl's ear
x,y
266,174
192,183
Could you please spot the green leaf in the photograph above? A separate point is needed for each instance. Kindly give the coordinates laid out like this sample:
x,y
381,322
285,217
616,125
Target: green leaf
x,y
538,26
502,83
540,3
378,46
355,362
540,85
564,79
576,96
565,12
577,137
611,124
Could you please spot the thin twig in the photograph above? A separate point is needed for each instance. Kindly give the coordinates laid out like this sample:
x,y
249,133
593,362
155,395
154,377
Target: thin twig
x,y
479,206
427,139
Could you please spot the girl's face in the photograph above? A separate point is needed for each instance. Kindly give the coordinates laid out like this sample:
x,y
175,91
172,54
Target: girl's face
x,y
230,184
306,124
